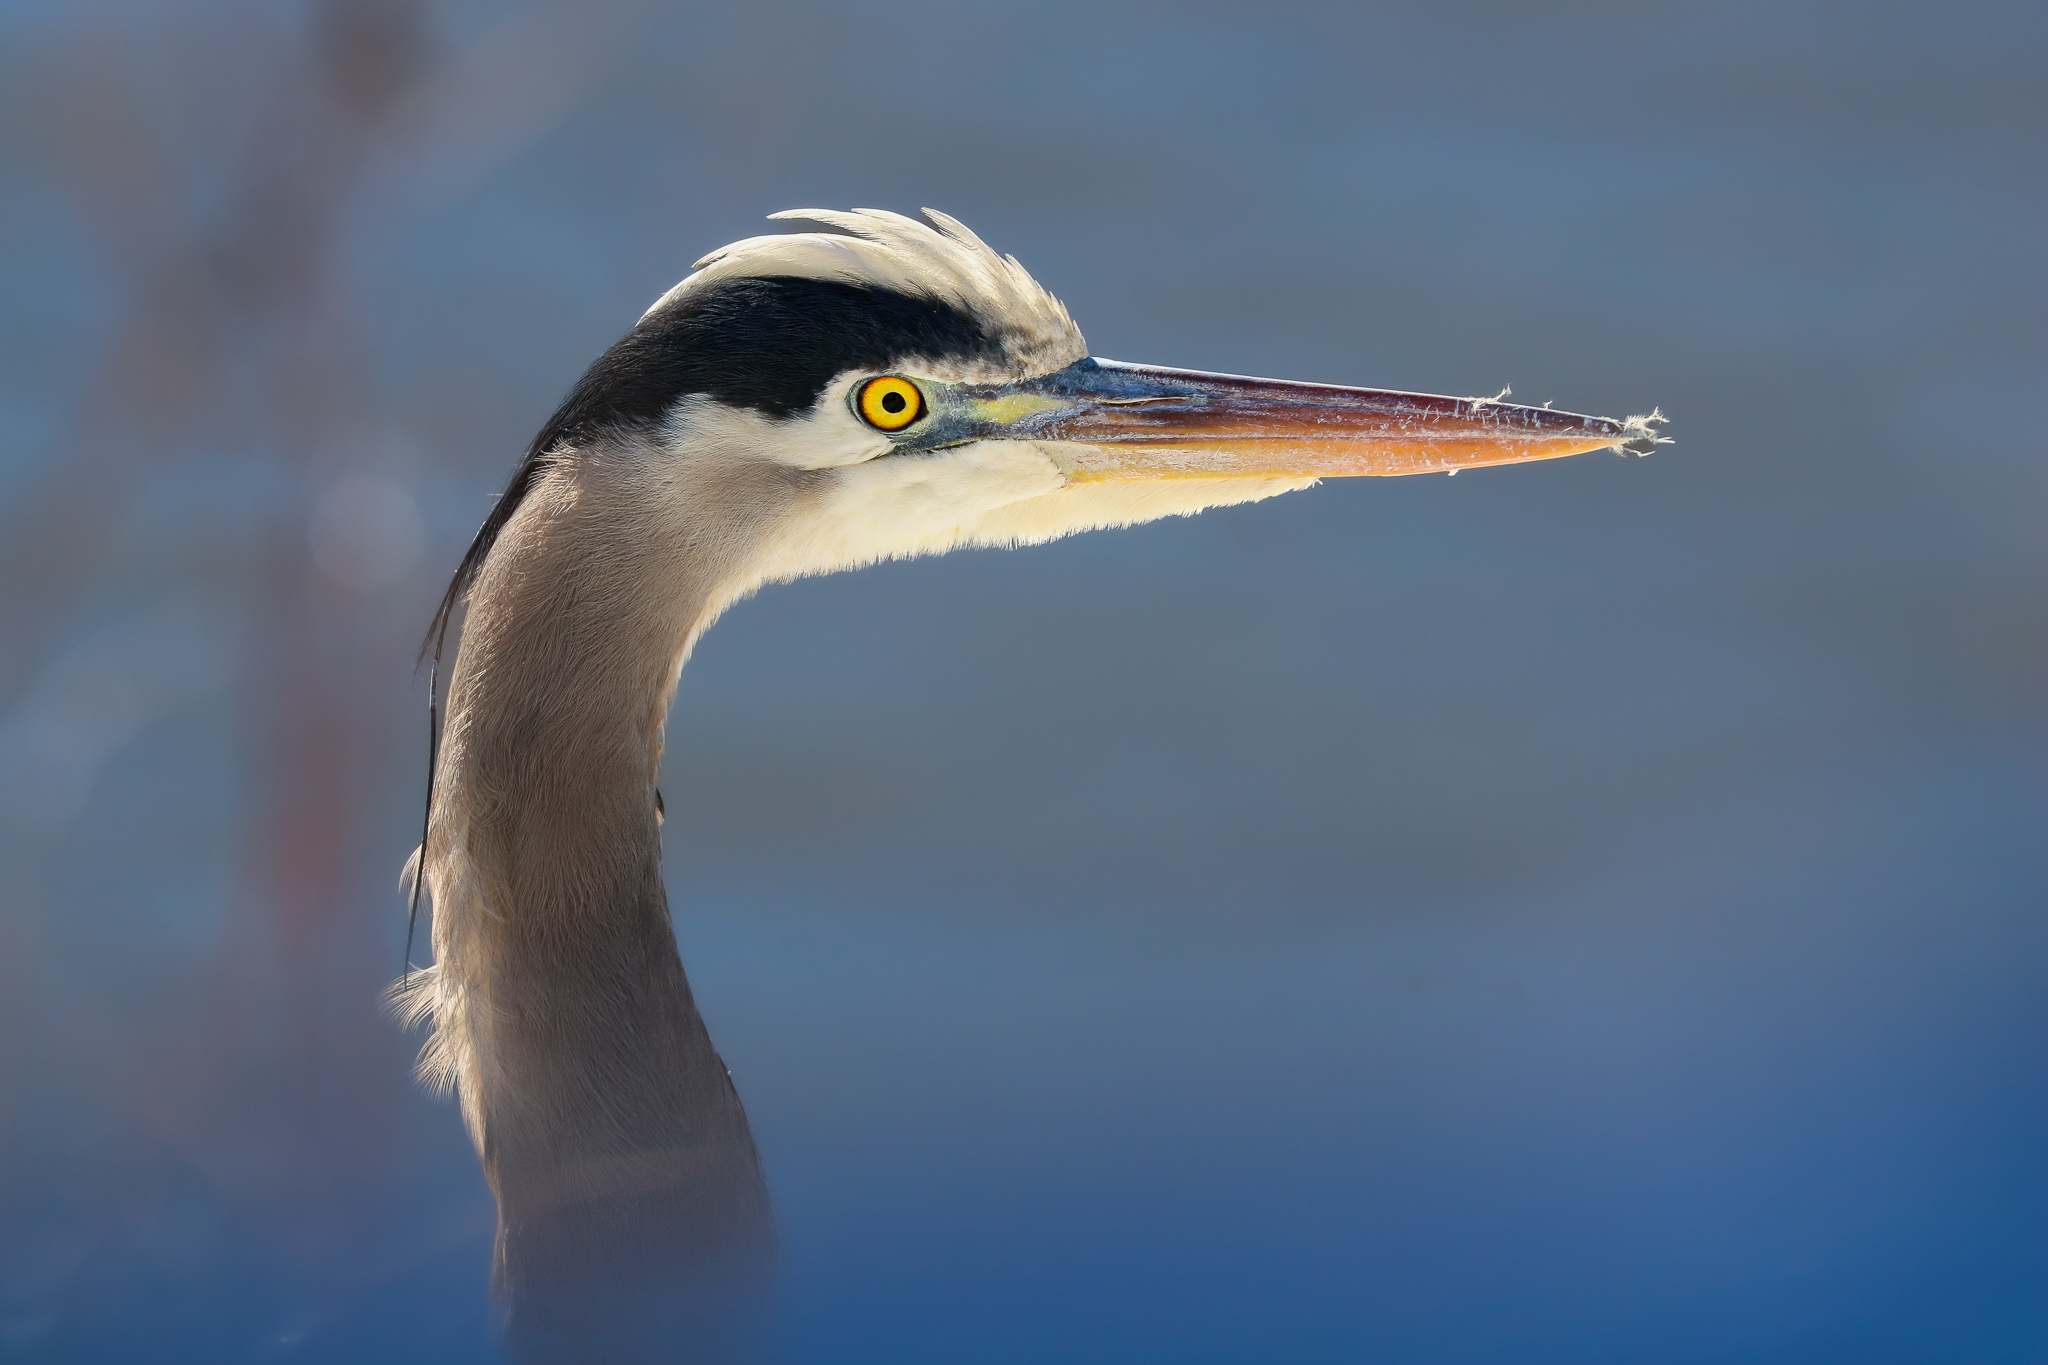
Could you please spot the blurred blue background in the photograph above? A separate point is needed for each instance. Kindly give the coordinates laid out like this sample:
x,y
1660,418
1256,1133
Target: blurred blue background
x,y
1583,912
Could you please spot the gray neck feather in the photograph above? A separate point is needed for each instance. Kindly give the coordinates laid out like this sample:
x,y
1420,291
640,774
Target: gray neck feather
x,y
633,1220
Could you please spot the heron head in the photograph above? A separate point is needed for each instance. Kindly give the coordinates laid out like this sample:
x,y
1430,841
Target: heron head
x,y
904,390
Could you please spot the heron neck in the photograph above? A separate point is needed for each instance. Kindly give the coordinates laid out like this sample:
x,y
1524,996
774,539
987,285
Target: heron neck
x,y
608,1126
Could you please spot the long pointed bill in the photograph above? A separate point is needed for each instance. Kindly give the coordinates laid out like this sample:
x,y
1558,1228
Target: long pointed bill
x,y
1146,422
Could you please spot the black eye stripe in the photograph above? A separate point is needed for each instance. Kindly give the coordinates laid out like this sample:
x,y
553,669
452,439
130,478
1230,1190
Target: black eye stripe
x,y
769,344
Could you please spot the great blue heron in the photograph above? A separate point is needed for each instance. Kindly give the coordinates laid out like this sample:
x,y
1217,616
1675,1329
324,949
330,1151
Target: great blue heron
x,y
800,404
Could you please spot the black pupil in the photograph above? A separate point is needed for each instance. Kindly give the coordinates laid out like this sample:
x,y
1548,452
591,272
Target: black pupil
x,y
893,402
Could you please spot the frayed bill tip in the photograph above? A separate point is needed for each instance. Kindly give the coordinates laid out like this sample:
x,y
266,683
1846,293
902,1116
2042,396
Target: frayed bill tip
x,y
1639,434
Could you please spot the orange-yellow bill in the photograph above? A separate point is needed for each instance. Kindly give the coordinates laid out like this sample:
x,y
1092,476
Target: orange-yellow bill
x,y
1147,422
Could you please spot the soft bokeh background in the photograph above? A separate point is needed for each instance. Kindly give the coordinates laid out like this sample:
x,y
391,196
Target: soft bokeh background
x,y
1589,912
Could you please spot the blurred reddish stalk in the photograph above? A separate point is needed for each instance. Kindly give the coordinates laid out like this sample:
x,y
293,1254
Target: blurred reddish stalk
x,y
234,335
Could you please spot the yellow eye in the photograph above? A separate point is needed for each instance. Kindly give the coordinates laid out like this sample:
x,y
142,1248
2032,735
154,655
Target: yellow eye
x,y
890,403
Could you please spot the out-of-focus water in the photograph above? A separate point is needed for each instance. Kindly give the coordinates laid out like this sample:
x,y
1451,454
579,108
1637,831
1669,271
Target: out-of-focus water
x,y
1585,912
